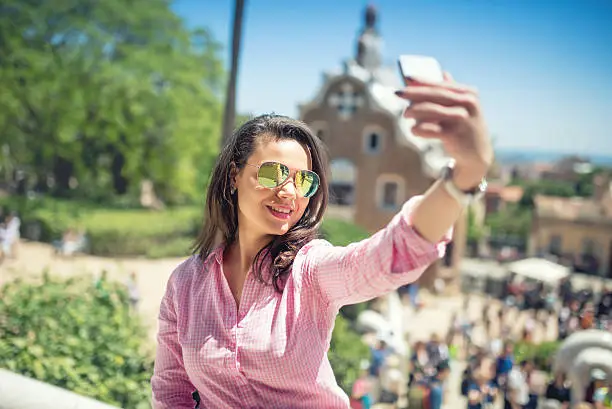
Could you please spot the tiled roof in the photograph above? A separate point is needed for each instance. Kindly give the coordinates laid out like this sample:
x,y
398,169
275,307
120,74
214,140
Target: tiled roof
x,y
573,209
511,194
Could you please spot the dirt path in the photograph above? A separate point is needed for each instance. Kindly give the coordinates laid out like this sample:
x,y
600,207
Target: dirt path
x,y
152,275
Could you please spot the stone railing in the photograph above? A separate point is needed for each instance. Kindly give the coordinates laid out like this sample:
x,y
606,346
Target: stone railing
x,y
20,392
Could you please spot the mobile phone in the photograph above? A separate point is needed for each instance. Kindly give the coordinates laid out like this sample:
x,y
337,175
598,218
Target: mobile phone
x,y
420,67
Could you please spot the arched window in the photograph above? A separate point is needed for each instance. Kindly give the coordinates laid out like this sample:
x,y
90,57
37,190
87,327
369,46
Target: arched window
x,y
390,191
373,139
342,185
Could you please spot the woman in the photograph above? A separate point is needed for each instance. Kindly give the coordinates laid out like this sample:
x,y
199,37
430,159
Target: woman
x,y
420,366
483,391
558,390
247,320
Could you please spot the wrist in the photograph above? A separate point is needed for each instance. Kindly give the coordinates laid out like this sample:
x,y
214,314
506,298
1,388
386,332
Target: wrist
x,y
468,177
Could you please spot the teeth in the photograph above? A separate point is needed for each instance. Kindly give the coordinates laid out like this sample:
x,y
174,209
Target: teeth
x,y
287,211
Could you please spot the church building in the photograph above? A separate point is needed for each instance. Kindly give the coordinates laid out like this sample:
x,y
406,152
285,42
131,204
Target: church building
x,y
376,162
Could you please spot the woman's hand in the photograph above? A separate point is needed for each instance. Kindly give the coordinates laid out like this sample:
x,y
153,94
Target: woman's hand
x,y
451,112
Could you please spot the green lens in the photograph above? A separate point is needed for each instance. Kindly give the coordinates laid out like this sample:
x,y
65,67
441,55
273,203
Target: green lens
x,y
272,174
307,182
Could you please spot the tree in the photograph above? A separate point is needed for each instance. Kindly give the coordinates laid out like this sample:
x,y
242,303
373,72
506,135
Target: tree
x,y
98,96
346,351
511,226
229,117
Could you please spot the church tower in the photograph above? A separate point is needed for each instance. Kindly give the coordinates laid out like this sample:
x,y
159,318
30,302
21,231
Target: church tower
x,y
369,44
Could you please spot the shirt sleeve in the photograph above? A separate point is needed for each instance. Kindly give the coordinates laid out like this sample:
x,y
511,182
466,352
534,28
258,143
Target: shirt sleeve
x,y
513,380
395,256
170,383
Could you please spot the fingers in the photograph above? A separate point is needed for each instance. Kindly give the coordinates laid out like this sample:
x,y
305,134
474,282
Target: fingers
x,y
440,96
448,83
431,112
428,130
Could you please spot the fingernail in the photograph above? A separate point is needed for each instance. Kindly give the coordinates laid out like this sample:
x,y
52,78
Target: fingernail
x,y
399,92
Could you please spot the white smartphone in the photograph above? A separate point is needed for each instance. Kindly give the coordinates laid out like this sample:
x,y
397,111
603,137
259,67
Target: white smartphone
x,y
420,67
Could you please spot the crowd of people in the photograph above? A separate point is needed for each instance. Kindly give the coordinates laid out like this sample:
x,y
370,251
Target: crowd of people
x,y
493,375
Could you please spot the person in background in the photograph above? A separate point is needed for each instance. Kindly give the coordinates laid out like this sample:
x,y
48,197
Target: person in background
x,y
598,389
9,236
436,350
503,365
436,387
378,355
419,363
604,306
133,291
517,388
413,293
559,391
565,290
361,395
391,380
483,390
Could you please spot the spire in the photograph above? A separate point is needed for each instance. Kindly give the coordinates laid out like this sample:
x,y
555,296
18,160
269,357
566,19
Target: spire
x,y
369,44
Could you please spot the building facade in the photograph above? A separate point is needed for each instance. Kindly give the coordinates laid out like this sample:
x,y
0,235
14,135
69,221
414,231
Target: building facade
x,y
576,230
376,162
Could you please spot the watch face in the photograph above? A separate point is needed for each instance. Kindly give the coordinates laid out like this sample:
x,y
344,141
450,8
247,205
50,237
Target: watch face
x,y
447,172
482,186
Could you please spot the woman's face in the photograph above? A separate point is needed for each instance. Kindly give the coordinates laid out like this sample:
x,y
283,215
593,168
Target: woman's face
x,y
264,212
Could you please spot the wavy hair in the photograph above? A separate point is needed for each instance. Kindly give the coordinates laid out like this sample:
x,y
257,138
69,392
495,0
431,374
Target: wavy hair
x,y
221,211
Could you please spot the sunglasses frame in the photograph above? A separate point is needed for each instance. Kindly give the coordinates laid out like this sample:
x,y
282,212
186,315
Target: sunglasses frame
x,y
288,175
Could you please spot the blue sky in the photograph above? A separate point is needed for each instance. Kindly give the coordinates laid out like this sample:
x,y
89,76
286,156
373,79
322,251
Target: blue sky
x,y
543,68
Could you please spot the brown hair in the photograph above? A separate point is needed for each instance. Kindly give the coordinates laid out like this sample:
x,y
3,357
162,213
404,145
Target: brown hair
x,y
221,211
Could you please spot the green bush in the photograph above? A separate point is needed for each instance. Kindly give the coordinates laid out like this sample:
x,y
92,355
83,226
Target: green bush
x,y
346,351
542,354
341,233
111,231
168,233
77,336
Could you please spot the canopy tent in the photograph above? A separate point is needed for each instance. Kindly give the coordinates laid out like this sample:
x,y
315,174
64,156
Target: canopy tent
x,y
539,269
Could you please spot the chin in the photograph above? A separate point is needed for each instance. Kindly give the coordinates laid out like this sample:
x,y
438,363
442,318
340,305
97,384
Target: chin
x,y
279,231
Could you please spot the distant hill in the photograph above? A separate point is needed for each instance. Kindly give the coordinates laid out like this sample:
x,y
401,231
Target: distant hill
x,y
525,156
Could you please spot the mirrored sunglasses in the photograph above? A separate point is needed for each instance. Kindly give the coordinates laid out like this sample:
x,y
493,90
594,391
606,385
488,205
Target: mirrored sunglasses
x,y
273,174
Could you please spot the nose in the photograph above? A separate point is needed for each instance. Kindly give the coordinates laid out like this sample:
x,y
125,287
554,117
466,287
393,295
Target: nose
x,y
288,189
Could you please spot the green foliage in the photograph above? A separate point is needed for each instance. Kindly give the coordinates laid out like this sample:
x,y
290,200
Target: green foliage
x,y
583,187
108,95
541,354
474,231
77,336
341,233
346,351
514,222
547,188
113,232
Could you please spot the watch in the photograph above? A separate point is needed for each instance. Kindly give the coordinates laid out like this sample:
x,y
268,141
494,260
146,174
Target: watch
x,y
464,197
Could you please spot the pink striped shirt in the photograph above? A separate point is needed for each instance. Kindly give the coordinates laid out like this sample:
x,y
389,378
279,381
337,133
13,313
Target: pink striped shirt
x,y
271,352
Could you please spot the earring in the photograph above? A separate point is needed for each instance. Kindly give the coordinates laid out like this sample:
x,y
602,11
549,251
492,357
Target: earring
x,y
233,190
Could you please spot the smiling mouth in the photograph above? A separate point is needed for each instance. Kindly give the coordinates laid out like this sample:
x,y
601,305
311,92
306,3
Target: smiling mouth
x,y
279,212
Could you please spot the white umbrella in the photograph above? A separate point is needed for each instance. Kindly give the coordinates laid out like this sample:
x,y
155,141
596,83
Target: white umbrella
x,y
539,269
